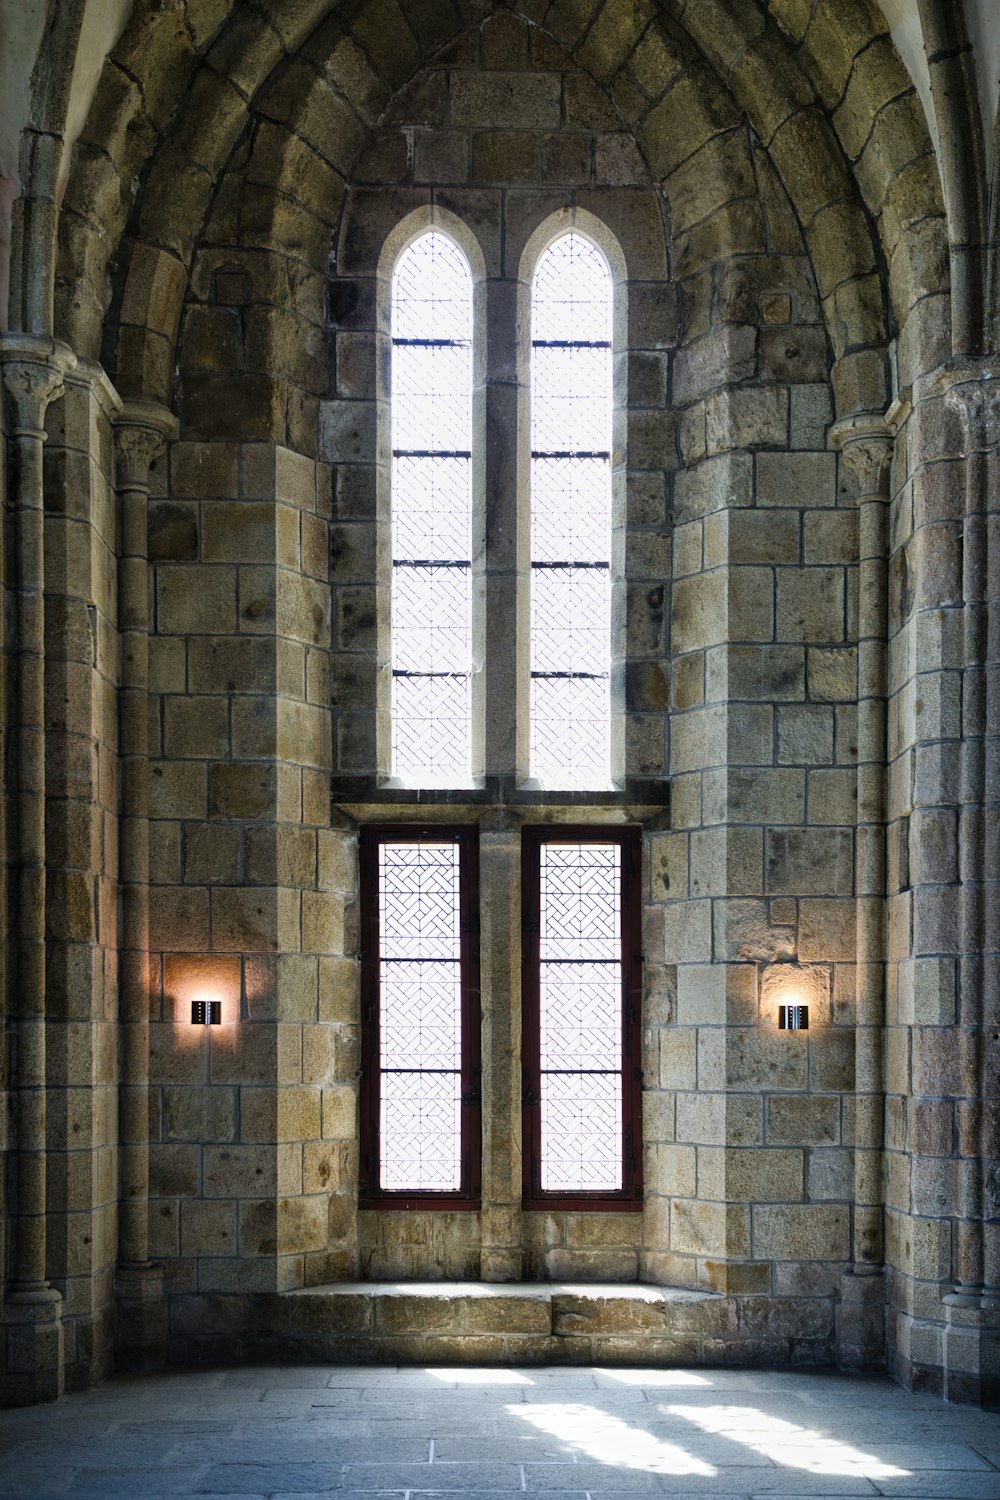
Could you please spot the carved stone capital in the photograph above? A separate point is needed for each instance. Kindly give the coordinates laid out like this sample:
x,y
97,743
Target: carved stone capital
x,y
142,430
34,370
866,444
977,400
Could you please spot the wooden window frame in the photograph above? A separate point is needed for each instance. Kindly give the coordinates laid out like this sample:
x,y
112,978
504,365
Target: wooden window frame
x,y
371,1194
629,1197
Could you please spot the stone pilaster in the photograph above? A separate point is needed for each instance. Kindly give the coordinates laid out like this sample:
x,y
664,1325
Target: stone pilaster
x,y
499,864
971,1342
866,445
141,433
33,372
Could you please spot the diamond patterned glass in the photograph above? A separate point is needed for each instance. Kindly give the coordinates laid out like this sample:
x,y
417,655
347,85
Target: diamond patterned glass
x,y
571,417
570,516
431,605
419,932
581,1133
569,730
580,1015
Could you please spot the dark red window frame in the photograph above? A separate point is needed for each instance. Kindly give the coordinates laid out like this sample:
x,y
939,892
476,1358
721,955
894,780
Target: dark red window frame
x,y
629,1197
467,839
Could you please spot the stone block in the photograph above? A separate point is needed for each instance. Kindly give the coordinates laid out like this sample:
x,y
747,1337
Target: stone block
x,y
810,605
715,1229
832,674
678,1065
764,1175
172,532
809,862
765,1060
521,101
195,600
504,156
805,735
751,536
826,931
797,480
806,1232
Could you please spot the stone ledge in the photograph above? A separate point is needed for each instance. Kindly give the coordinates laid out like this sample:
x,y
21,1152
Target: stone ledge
x,y
501,1309
490,1323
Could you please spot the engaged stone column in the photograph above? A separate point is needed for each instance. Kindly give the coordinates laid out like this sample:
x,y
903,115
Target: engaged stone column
x,y
33,371
141,432
972,1336
866,444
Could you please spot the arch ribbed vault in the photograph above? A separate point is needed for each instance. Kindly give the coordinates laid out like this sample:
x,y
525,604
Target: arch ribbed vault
x,y
305,87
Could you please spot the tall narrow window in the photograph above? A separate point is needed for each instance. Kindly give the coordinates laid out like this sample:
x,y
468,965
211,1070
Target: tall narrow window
x,y
581,1018
571,423
431,604
420,1116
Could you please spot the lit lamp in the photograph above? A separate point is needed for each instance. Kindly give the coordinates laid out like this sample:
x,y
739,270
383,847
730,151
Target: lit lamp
x,y
206,1012
793,1016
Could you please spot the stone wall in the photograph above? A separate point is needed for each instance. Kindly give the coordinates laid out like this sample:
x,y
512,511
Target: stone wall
x,y
803,669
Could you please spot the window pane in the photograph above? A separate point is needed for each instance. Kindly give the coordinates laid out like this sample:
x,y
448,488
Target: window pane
x,y
571,399
431,396
581,1132
419,901
571,414
580,1015
571,620
431,720
581,1113
419,1014
570,510
432,291
572,292
580,1008
431,509
569,731
420,1131
431,605
430,615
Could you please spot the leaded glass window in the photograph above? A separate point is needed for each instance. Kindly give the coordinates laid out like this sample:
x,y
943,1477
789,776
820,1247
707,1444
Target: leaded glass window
x,y
431,603
421,1108
571,441
582,1077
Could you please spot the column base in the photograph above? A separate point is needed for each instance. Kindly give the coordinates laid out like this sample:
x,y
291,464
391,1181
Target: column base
x,y
34,1365
140,1318
971,1347
861,1321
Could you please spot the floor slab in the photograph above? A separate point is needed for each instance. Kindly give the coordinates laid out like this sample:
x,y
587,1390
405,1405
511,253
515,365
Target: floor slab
x,y
278,1433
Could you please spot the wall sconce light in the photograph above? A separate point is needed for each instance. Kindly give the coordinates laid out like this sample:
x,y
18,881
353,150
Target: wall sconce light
x,y
206,1012
793,1018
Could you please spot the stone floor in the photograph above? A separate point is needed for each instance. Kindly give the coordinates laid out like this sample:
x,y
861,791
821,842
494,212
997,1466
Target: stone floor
x,y
289,1434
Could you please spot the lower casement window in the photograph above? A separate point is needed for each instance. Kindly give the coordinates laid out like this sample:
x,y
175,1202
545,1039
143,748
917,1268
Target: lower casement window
x,y
421,1127
581,1022
421,1119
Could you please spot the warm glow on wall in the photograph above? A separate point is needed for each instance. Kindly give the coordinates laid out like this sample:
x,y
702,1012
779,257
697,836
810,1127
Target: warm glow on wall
x,y
793,996
202,990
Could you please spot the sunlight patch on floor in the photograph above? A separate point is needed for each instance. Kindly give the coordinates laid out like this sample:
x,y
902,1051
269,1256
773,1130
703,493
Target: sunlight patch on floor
x,y
785,1443
655,1377
609,1440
